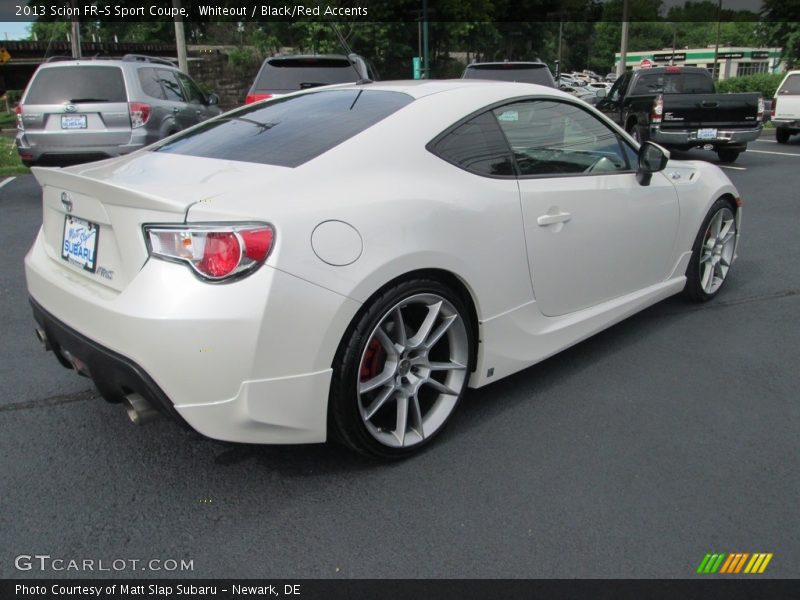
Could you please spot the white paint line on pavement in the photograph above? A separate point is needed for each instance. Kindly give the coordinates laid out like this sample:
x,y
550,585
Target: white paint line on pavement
x,y
778,153
734,168
767,141
5,181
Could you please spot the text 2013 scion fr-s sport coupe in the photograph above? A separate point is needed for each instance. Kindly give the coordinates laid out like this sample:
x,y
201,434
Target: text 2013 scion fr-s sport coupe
x,y
344,262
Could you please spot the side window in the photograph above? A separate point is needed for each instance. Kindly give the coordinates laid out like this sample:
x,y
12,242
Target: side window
x,y
172,88
551,138
193,93
616,92
477,146
148,79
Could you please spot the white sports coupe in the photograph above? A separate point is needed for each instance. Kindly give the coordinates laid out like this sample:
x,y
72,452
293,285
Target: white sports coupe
x,y
345,261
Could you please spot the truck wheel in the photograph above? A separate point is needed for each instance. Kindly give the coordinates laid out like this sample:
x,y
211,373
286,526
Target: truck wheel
x,y
728,156
637,133
782,135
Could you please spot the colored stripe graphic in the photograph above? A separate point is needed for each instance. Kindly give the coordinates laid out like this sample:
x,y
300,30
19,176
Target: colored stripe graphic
x,y
758,563
711,563
734,563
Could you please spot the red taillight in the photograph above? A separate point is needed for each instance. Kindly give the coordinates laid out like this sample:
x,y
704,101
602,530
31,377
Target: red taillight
x,y
18,111
250,98
774,106
657,110
213,252
221,255
672,69
140,112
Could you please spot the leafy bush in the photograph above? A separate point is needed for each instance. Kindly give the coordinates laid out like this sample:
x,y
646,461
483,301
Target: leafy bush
x,y
243,59
762,83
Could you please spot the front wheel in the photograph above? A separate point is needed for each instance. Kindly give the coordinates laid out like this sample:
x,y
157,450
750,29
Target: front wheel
x,y
402,369
782,135
728,156
712,253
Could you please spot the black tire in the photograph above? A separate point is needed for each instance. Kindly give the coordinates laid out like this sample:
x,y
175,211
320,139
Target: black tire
x,y
637,132
782,135
728,156
693,289
347,423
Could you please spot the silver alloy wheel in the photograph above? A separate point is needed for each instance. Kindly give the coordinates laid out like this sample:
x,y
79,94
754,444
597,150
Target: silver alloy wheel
x,y
716,254
412,370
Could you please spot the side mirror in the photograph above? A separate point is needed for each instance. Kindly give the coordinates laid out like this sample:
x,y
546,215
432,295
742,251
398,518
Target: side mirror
x,y
212,99
601,93
652,159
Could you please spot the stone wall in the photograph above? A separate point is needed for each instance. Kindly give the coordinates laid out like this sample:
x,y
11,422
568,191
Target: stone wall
x,y
212,71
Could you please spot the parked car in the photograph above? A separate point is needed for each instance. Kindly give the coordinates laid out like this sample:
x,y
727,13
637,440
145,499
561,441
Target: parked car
x,y
584,93
82,110
786,107
523,72
281,74
678,108
611,77
344,262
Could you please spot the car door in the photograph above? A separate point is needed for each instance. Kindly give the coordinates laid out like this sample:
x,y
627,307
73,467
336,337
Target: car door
x,y
611,105
592,232
198,109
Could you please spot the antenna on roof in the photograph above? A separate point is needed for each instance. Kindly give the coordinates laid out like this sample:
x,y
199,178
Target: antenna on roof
x,y
355,60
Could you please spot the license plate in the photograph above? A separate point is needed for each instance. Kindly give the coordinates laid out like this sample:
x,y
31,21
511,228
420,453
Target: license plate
x,y
706,134
73,121
80,242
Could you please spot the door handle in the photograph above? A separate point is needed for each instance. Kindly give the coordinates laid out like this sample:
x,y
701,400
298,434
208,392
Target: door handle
x,y
549,219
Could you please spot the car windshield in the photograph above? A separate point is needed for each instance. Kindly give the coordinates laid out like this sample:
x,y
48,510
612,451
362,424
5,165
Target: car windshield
x,y
525,73
301,73
288,131
60,85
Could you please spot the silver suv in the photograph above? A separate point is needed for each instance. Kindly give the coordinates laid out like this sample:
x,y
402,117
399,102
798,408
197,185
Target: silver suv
x,y
76,111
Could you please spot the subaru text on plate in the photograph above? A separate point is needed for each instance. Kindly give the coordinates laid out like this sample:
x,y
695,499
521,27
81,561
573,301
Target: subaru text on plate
x,y
345,262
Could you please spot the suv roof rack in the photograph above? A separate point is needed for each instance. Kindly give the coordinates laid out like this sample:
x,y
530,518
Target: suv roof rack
x,y
145,58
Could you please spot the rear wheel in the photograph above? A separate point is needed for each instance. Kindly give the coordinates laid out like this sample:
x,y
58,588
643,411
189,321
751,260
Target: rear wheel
x,y
782,135
712,253
401,371
637,133
728,156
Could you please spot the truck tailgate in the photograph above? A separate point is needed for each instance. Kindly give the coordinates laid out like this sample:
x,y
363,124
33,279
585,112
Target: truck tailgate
x,y
722,111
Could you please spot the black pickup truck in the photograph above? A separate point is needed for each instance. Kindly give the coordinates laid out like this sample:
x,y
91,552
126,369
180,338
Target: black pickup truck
x,y
677,107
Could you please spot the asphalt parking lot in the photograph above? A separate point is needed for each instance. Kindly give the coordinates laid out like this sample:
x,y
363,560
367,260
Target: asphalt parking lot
x,y
673,434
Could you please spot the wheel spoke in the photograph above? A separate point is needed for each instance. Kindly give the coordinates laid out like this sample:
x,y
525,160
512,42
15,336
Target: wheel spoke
x,y
400,327
427,325
379,401
417,412
440,387
725,229
706,257
440,331
448,366
402,419
377,381
386,342
708,275
716,224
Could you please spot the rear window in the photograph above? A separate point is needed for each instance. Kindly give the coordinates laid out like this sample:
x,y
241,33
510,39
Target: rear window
x,y
674,83
288,131
511,72
59,85
301,73
791,85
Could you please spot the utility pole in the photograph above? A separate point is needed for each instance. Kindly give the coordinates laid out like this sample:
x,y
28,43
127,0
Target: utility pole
x,y
623,46
180,39
426,66
716,46
75,37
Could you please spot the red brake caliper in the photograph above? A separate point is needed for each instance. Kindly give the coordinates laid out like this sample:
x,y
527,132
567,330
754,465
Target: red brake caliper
x,y
374,359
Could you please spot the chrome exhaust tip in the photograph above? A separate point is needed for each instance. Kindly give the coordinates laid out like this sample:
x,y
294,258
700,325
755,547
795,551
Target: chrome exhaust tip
x,y
139,410
42,337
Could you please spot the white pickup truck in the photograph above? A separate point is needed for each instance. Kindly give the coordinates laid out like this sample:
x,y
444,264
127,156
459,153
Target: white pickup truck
x,y
786,107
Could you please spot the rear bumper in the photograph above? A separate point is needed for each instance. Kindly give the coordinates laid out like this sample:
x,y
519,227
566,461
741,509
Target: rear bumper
x,y
687,138
248,361
786,123
61,155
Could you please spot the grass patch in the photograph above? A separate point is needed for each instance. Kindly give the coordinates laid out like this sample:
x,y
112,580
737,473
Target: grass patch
x,y
10,163
8,120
